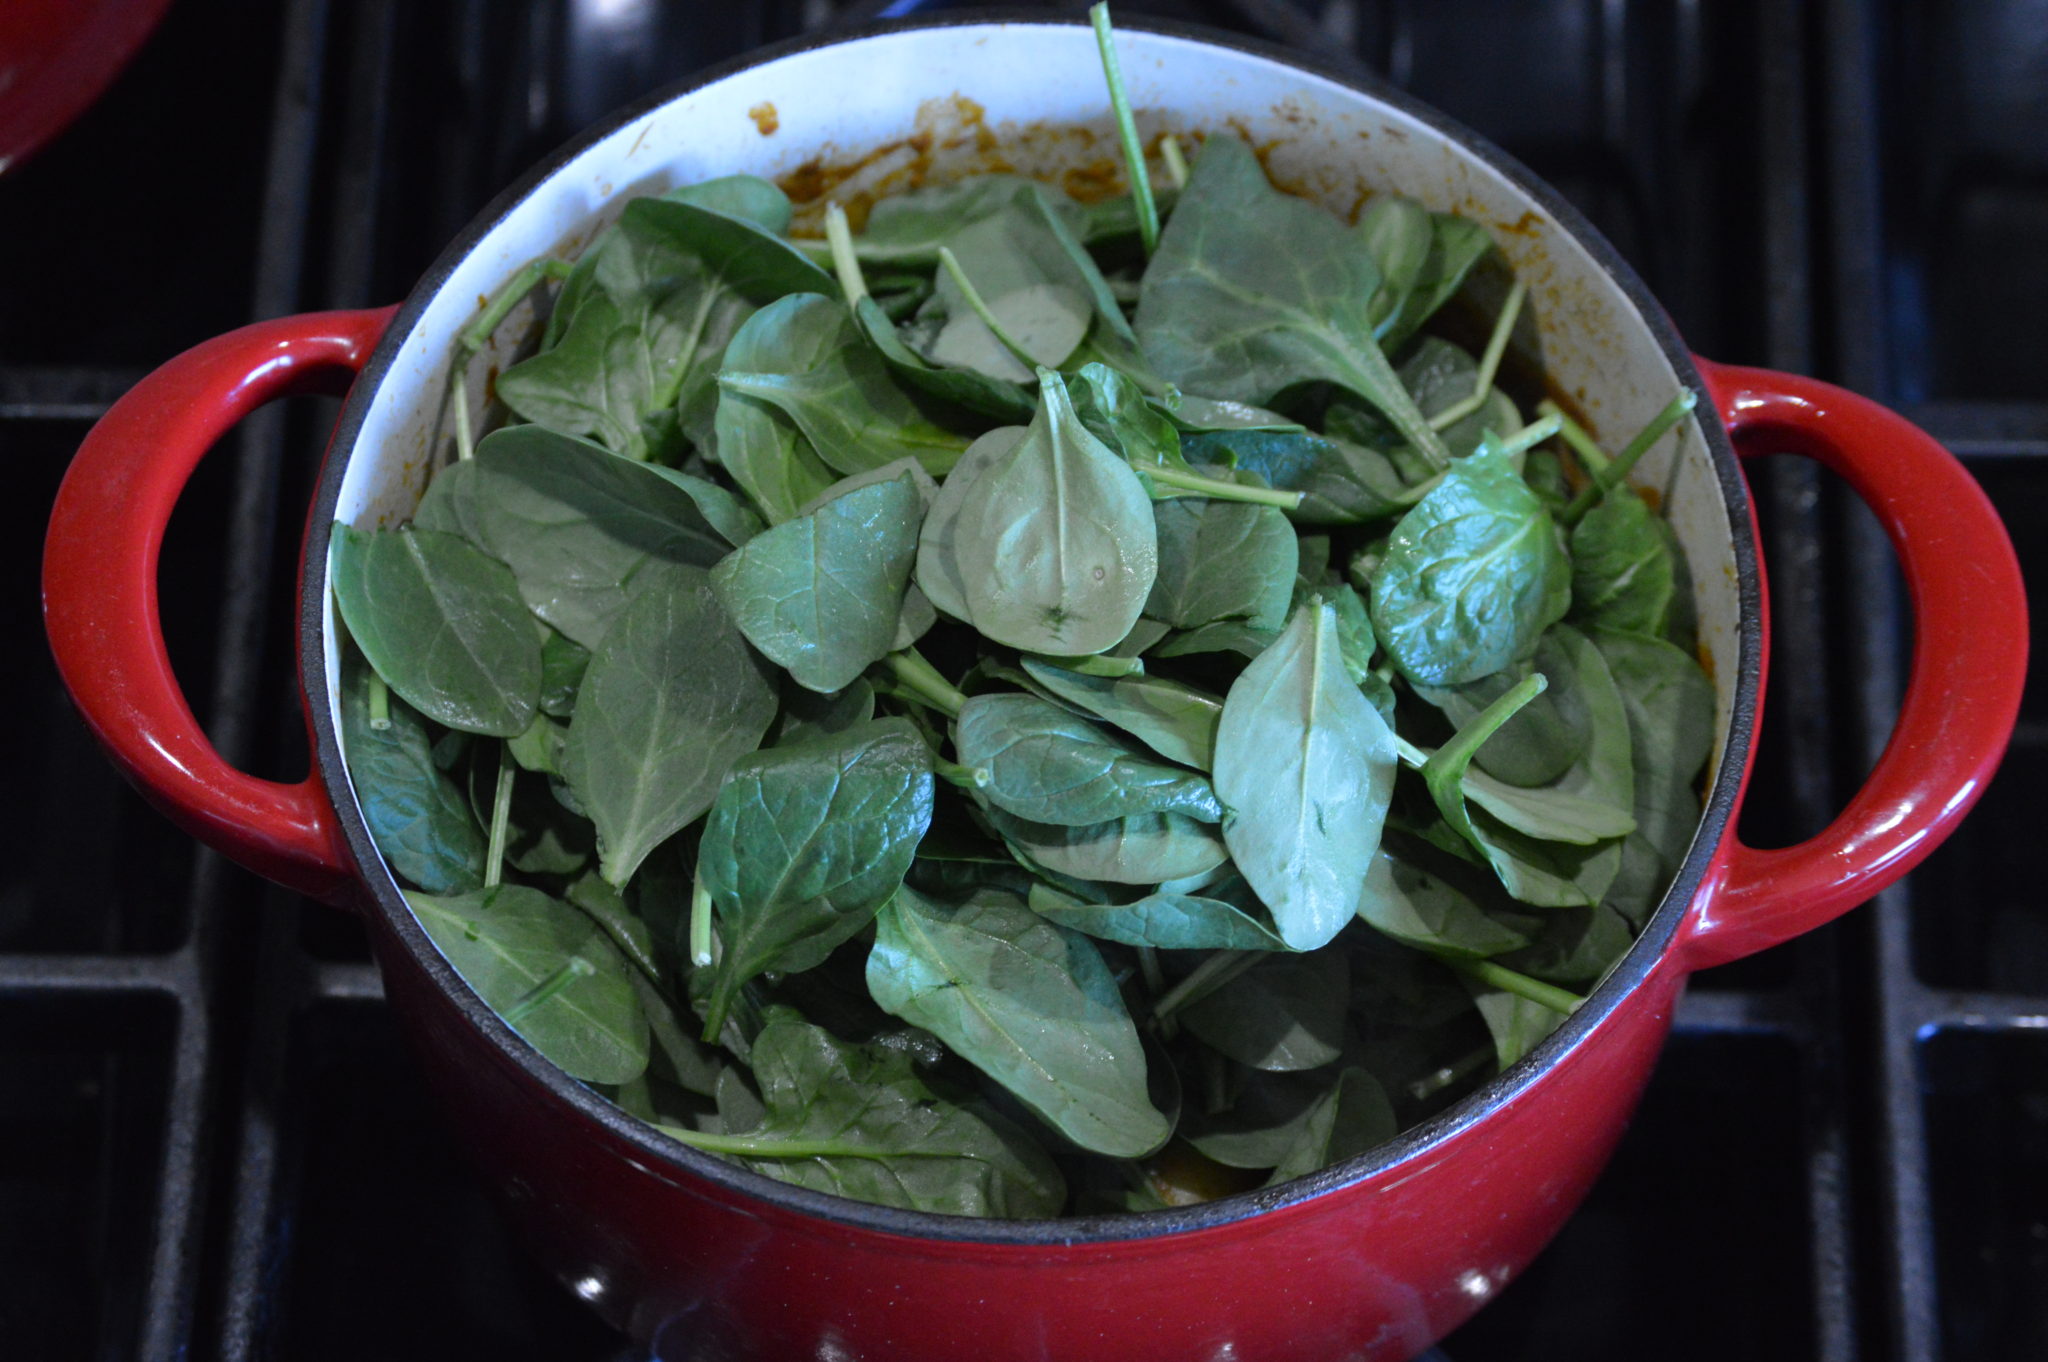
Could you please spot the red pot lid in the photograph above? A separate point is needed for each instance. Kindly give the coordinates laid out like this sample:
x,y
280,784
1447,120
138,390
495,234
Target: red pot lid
x,y
56,56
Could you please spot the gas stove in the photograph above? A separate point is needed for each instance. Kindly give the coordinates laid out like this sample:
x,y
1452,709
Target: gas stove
x,y
213,1146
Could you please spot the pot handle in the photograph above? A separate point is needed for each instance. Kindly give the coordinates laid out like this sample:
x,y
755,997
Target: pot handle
x,y
1969,661
100,588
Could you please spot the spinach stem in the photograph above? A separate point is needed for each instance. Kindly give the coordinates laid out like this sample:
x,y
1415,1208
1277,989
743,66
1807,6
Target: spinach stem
x,y
458,387
1485,724
1176,164
1611,476
840,237
1489,362
980,307
1213,973
924,681
1521,985
501,818
1529,436
477,334
1218,490
1590,454
966,777
1127,130
702,942
380,703
1148,965
567,973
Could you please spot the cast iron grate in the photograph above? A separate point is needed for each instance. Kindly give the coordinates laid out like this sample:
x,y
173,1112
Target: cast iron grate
x,y
215,1147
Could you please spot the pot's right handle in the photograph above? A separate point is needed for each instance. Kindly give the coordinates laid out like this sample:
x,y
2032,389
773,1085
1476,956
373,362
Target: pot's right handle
x,y
1969,660
100,597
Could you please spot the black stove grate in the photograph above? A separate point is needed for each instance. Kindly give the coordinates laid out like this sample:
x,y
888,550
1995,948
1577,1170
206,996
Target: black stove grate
x,y
211,1143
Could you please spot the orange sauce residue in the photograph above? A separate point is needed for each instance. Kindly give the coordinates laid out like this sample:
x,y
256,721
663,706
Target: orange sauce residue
x,y
765,118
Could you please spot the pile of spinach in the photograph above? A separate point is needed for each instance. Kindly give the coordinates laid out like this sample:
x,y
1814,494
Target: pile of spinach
x,y
1025,710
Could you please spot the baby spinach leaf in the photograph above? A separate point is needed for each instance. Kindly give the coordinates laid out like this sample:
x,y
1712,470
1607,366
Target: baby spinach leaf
x,y
1670,706
1029,1004
1539,872
908,229
820,595
673,281
442,624
926,487
418,818
939,573
1116,411
1350,1118
1284,1013
673,697
767,455
998,398
549,972
1441,375
1224,636
1623,573
1456,245
807,715
1176,721
1049,765
1341,483
858,1121
1253,291
1143,848
1420,909
1306,766
577,525
1574,946
803,355
1397,233
805,841
562,664
1054,541
748,197
1516,1024
1547,736
1472,576
1221,560
1267,1120
1164,921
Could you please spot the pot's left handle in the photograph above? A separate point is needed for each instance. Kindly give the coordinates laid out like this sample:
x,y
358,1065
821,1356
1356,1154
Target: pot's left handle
x,y
100,588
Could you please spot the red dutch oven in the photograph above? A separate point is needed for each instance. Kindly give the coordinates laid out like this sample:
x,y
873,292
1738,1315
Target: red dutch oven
x,y
1372,1258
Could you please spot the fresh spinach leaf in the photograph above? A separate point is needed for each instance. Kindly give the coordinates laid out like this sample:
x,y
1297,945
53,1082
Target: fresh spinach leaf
x,y
1054,541
1341,483
416,815
1306,766
1163,921
442,623
1284,1013
1049,765
1353,1116
552,975
821,595
1142,848
1407,902
1253,292
803,355
578,526
1623,572
1221,560
940,575
673,697
805,841
1472,576
1175,720
858,1121
1028,1003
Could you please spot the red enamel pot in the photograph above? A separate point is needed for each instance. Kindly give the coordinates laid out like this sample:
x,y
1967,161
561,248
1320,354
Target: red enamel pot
x,y
1372,1258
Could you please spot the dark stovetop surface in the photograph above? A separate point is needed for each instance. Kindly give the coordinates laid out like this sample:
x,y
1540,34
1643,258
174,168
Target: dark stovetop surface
x,y
212,1145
